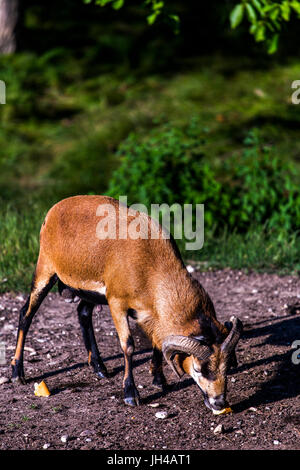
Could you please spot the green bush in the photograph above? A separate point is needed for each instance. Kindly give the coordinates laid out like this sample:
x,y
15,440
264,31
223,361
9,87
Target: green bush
x,y
167,166
248,189
30,78
260,189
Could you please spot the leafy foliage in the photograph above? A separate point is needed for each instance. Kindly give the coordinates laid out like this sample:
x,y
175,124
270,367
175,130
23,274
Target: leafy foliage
x,y
116,4
65,117
266,17
170,166
157,8
262,189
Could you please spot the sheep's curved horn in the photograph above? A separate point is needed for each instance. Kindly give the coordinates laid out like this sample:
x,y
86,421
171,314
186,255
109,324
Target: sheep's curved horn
x,y
232,339
176,344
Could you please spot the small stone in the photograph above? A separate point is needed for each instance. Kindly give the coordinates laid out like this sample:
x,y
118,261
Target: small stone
x,y
233,379
276,443
4,380
190,268
140,386
30,350
154,405
252,408
85,433
240,432
219,429
64,439
161,415
46,446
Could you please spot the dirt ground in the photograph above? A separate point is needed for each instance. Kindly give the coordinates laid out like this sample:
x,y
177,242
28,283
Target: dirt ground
x,y
264,391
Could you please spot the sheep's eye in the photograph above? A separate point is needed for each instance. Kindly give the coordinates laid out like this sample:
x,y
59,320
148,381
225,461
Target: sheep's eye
x,y
197,369
206,372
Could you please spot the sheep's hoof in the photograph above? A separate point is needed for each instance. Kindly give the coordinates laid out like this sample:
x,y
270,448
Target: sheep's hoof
x,y
99,369
132,401
101,374
18,380
160,382
17,373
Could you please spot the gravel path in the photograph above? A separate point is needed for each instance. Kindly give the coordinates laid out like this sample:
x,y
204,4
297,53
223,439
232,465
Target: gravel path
x,y
84,413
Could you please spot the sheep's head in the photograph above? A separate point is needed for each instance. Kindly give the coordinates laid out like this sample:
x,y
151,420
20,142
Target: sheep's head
x,y
208,364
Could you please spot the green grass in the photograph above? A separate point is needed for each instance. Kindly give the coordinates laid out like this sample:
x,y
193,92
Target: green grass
x,y
256,250
19,235
63,123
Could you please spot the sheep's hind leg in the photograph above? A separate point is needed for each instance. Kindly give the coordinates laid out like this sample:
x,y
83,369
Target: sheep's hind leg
x,y
41,285
85,311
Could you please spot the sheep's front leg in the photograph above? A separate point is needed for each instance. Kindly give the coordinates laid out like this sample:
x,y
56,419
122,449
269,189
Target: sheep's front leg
x,y
131,395
119,315
156,369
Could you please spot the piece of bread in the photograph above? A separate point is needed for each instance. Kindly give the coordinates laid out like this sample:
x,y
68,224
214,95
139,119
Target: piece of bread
x,y
222,412
41,390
